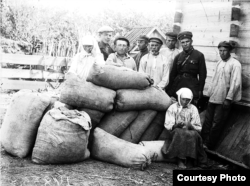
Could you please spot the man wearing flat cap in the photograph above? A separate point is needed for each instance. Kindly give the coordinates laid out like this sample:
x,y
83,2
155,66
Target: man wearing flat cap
x,y
171,51
224,89
189,69
121,58
155,64
142,43
105,34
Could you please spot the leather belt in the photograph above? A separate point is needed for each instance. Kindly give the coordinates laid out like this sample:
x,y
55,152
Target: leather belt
x,y
186,75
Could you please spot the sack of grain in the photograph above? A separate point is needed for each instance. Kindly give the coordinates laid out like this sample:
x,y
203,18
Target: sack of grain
x,y
116,122
115,78
62,137
21,122
155,149
109,148
155,128
95,116
79,93
150,98
135,130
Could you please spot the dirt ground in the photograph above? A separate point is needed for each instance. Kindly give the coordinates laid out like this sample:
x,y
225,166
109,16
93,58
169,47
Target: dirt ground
x,y
17,171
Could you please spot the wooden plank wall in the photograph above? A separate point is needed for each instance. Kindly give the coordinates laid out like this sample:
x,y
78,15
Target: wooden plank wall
x,y
210,21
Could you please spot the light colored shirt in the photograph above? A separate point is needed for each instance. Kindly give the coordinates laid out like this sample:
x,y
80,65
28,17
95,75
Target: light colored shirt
x,y
82,63
226,82
170,54
190,114
127,61
157,67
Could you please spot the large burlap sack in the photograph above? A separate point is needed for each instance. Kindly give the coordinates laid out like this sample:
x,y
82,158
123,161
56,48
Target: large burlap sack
x,y
109,148
62,137
115,78
116,122
21,121
150,98
155,149
155,128
135,130
95,116
79,93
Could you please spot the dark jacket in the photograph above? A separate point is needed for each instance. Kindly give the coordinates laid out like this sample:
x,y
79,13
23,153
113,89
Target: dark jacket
x,y
138,57
105,49
190,73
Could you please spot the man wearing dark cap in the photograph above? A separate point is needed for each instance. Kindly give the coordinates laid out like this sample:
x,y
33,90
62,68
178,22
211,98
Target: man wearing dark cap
x,y
121,58
105,35
189,69
171,51
224,89
155,64
142,43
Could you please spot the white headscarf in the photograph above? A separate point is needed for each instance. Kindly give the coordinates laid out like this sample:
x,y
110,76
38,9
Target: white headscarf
x,y
184,93
96,52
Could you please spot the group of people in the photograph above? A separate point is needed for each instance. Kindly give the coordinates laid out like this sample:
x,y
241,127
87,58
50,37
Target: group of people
x,y
182,75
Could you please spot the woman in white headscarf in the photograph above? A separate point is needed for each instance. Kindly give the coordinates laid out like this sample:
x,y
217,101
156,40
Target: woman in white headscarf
x,y
185,143
83,61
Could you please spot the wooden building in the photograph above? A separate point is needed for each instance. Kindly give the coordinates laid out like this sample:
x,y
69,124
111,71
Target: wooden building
x,y
211,22
148,31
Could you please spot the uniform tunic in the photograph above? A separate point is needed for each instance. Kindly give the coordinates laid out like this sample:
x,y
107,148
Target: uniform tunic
x,y
157,67
138,57
127,61
189,70
105,49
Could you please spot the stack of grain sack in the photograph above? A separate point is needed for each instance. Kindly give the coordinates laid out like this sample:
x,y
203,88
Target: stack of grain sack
x,y
51,133
125,109
105,117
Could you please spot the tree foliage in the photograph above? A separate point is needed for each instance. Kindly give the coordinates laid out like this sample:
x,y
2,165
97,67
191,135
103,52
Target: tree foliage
x,y
59,31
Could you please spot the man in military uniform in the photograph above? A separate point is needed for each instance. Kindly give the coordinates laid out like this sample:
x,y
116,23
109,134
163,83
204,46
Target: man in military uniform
x,y
105,34
189,69
142,43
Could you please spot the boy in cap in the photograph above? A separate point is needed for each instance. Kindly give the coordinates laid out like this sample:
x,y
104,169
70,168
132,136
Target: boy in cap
x,y
225,89
121,58
155,64
142,43
170,52
189,69
105,34
82,62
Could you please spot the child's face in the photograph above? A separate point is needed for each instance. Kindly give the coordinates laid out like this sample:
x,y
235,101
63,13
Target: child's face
x,y
184,101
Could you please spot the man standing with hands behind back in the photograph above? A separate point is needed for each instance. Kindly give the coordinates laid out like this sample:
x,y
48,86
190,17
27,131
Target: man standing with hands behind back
x,y
225,89
189,69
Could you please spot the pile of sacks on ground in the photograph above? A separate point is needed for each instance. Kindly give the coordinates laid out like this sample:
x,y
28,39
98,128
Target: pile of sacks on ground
x,y
114,116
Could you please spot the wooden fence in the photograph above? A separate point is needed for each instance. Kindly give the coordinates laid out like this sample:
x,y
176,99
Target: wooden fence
x,y
20,71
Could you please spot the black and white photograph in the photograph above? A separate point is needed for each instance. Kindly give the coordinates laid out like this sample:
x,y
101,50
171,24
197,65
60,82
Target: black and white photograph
x,y
124,92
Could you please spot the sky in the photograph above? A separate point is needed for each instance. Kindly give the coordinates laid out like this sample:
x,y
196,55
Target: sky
x,y
93,6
